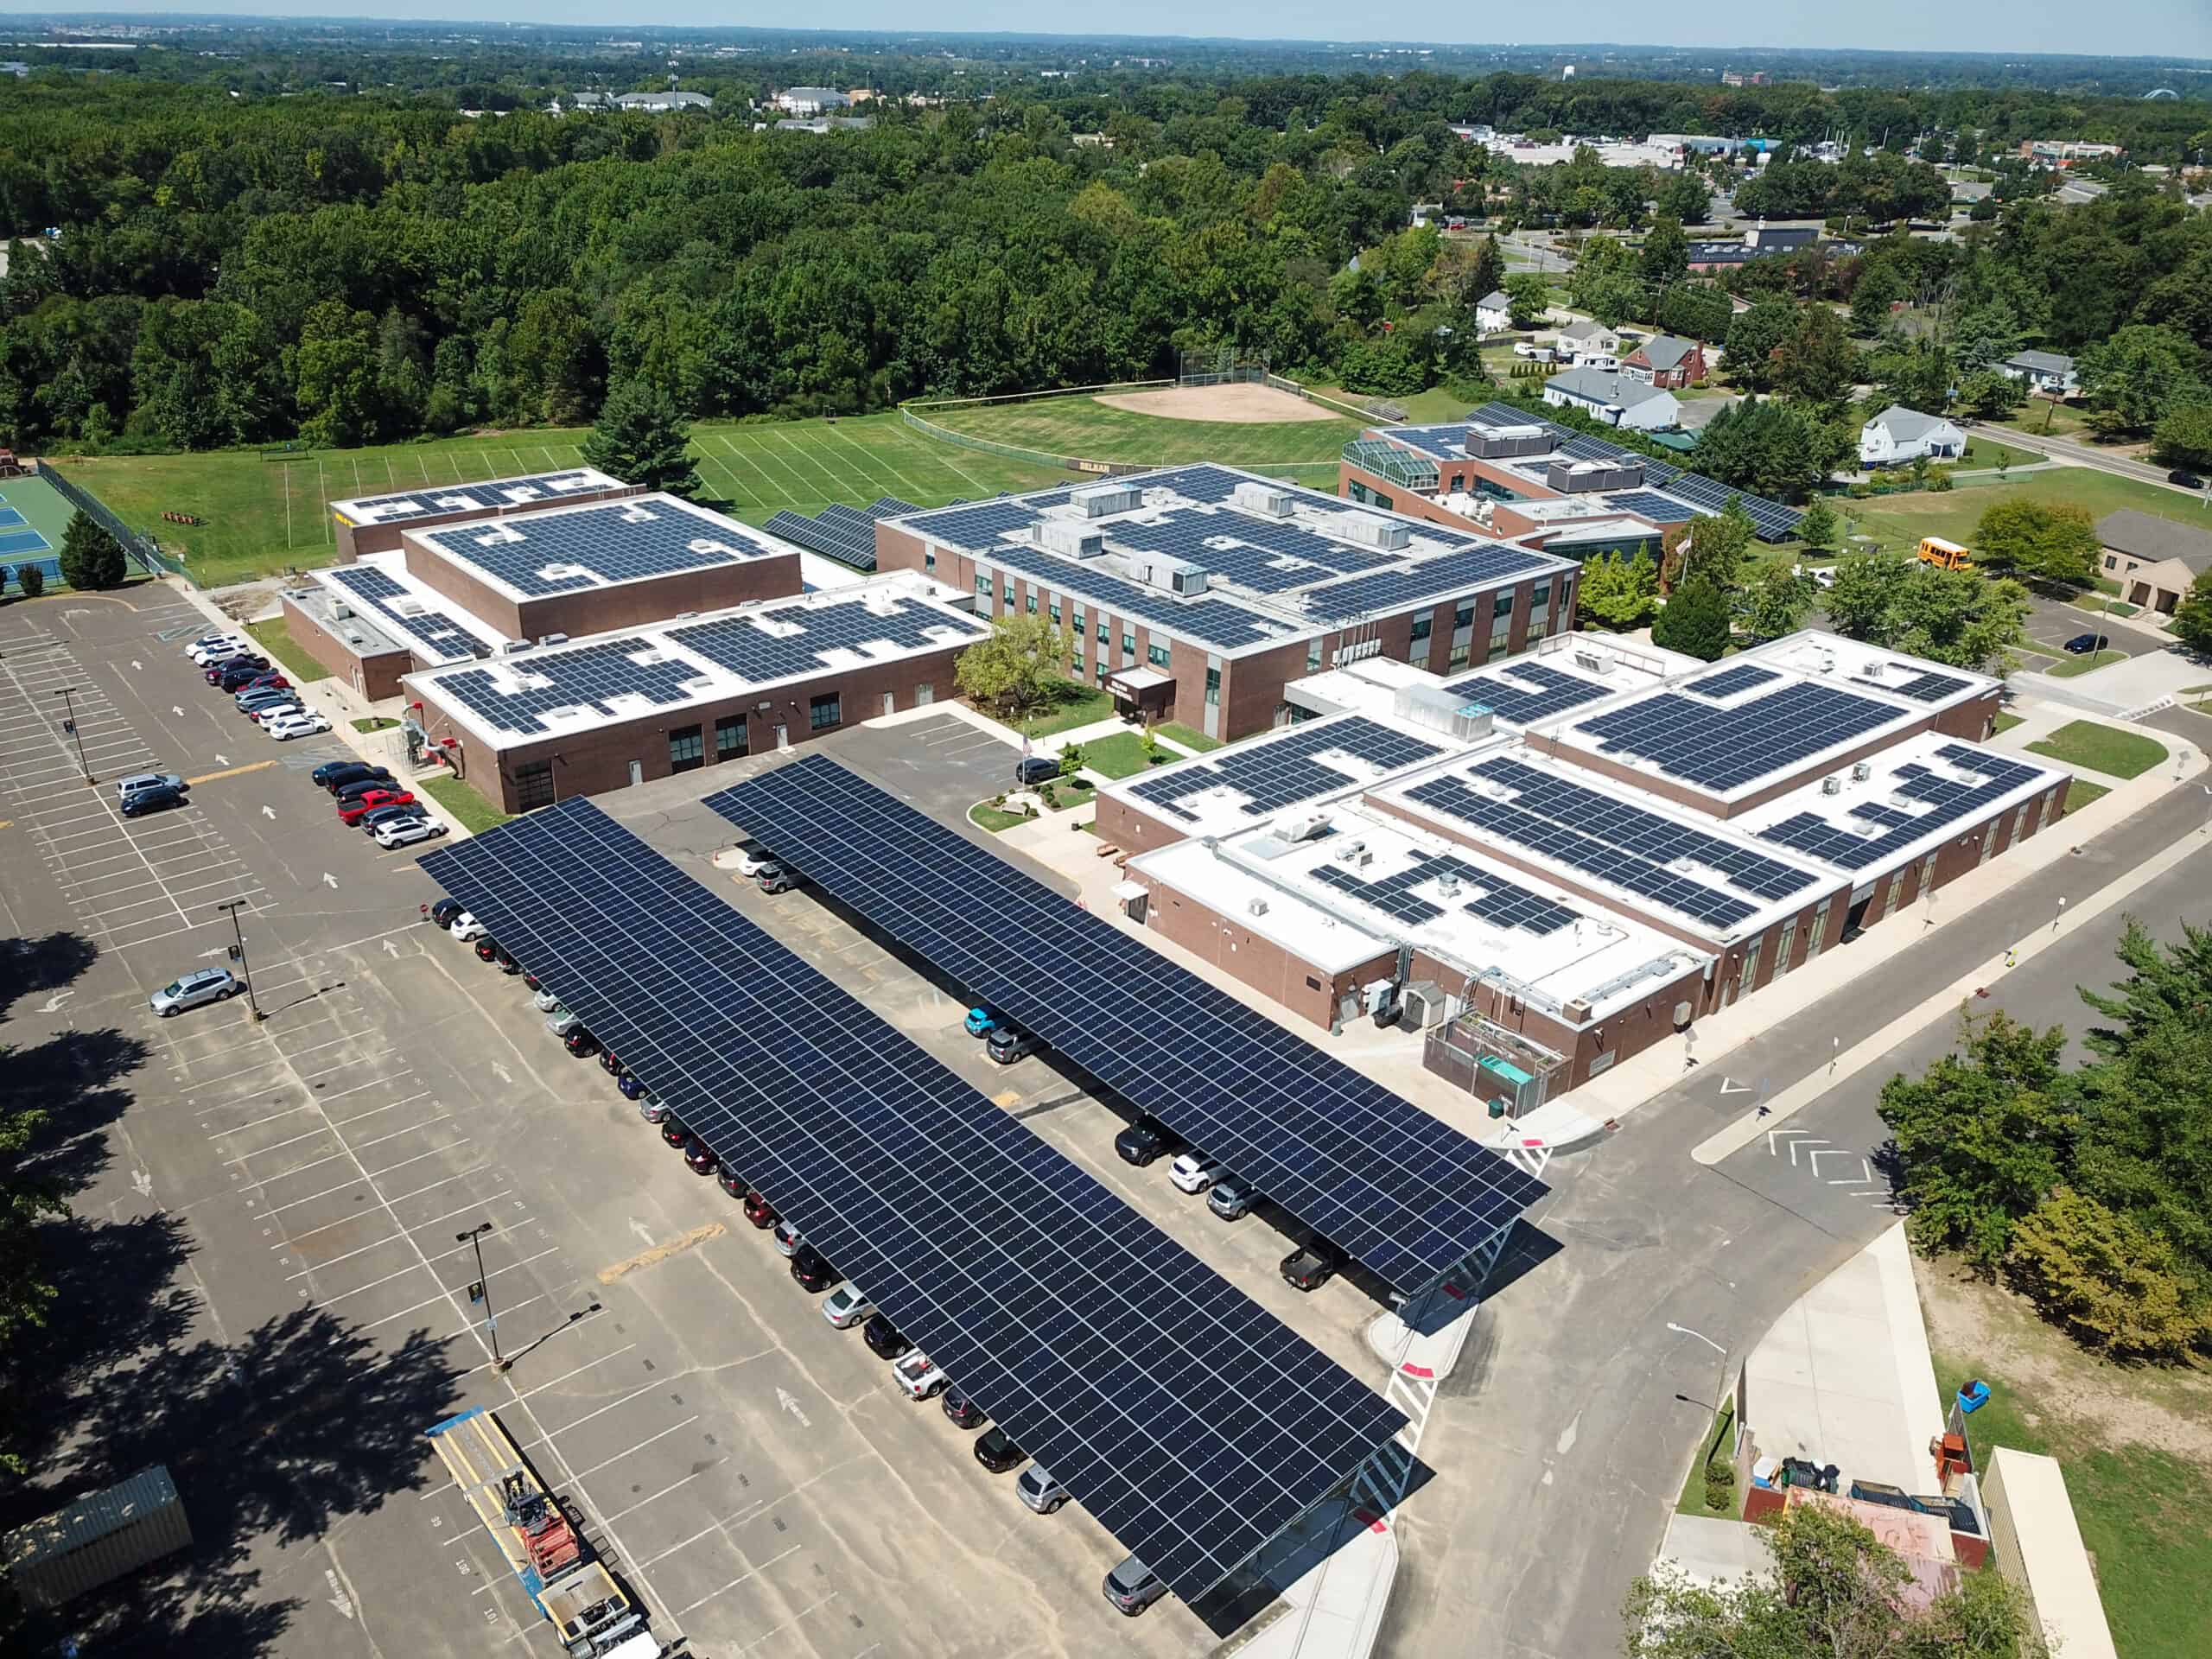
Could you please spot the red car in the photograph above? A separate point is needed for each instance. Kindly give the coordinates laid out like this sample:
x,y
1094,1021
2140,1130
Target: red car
x,y
369,800
757,1211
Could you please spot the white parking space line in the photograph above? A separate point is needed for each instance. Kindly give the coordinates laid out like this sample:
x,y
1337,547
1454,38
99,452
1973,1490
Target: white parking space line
x,y
432,1222
754,1574
422,1265
663,1492
346,1187
584,1474
610,1406
580,1371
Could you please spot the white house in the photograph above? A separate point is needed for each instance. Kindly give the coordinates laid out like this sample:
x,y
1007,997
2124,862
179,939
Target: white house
x,y
1898,436
810,100
2050,373
1615,399
662,102
1493,312
1584,342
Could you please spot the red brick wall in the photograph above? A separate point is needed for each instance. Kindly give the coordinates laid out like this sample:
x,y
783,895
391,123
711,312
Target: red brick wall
x,y
374,676
599,610
1269,968
1131,827
354,540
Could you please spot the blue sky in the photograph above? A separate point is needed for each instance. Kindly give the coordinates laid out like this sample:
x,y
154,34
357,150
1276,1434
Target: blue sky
x,y
2126,28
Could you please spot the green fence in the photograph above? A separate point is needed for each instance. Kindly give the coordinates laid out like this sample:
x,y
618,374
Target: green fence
x,y
142,549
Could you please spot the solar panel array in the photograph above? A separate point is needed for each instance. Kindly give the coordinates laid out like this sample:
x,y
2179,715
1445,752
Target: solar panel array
x,y
1888,829
587,679
1627,846
1219,622
1923,686
440,638
1497,901
1398,1191
539,554
787,641
1446,576
1266,556
1192,1423
1284,771
488,497
1505,691
843,533
977,526
1649,504
1720,749
1729,681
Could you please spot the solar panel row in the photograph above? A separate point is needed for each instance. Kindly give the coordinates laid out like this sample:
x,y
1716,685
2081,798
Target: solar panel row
x,y
488,497
1729,681
439,638
527,691
1723,748
1499,901
538,553
789,640
1521,693
1189,1421
1392,1186
1284,771
1889,829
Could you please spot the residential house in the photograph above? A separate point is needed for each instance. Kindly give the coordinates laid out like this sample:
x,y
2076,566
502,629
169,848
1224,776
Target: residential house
x,y
1667,361
1614,399
1898,436
662,102
804,101
2154,560
2048,372
1493,312
1582,343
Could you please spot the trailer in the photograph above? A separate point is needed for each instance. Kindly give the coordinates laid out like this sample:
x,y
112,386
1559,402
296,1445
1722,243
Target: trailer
x,y
594,1618
101,1537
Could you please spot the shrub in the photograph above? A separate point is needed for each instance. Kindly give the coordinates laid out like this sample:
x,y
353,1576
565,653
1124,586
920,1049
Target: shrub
x,y
32,581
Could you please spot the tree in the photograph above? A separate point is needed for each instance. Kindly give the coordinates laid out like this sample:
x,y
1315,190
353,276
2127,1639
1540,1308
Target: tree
x,y
2192,620
1985,335
32,580
1010,667
2141,375
1817,528
1961,618
1753,338
2030,538
1531,297
91,559
334,374
1687,198
640,439
1605,283
1857,601
28,1196
1694,621
1815,360
1988,395
1776,600
1488,276
1071,759
2184,436
2114,1285
1879,287
1695,311
1666,257
1717,547
1619,591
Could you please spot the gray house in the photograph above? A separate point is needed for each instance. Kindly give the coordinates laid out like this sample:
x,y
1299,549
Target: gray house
x,y
2050,373
1614,399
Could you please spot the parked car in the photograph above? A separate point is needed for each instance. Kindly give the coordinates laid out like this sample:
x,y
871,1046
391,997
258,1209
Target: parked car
x,y
1310,1268
759,1212
545,1001
351,812
267,711
190,991
465,927
580,1044
2082,644
883,1338
1143,1141
236,672
997,1451
748,860
138,780
961,1412
1230,1199
632,1085
444,910
377,816
785,1238
610,1065
981,1022
811,1269
334,775
159,797
1037,769
285,728
209,645
654,1110
1194,1171
847,1306
673,1133
1133,1587
917,1374
354,788
273,680
730,1181
699,1158
1007,1045
776,878
504,961
1036,1487
405,832
2186,479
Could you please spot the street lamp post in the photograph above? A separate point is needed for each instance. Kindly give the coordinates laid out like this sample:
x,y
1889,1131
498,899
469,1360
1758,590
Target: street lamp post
x,y
245,969
1722,1386
482,1290
68,694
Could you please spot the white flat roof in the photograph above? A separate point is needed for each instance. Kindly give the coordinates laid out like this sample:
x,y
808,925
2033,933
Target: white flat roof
x,y
1535,687
492,495
597,544
1853,664
1928,791
665,667
378,588
1369,881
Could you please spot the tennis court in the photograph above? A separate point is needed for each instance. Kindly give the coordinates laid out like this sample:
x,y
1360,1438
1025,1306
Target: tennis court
x,y
32,517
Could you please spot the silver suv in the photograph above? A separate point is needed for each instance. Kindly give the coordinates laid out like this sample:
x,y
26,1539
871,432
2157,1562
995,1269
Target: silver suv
x,y
190,990
1039,1489
1133,1587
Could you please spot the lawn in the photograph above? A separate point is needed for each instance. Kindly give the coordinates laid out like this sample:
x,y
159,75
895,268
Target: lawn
x,y
1067,705
2073,666
2044,417
276,639
475,814
984,815
2006,722
1189,736
266,512
1899,521
2101,748
1086,427
1119,756
1987,452
2082,792
375,723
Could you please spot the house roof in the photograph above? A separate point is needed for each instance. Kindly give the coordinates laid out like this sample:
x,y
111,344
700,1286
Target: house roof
x,y
2048,362
1586,329
1607,388
1906,425
2147,537
1494,300
1664,352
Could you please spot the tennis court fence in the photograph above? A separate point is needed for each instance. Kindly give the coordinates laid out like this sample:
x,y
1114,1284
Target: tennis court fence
x,y
141,550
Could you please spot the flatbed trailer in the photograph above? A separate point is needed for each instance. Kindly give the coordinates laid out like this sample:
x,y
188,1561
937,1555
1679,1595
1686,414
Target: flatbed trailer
x,y
595,1619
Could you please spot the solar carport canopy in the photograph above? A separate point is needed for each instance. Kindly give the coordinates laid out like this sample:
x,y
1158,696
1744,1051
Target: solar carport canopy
x,y
1192,1423
1404,1194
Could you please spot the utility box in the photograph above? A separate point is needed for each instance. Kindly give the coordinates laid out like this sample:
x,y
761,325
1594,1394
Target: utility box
x,y
101,1537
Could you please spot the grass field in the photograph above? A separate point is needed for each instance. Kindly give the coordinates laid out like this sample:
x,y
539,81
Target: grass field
x,y
1119,756
2101,748
1189,736
2005,723
1086,427
276,639
1899,521
264,513
465,802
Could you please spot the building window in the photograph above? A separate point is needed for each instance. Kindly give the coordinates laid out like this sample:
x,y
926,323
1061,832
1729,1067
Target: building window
x,y
1423,626
1357,490
1128,648
1104,637
732,738
1459,481
1033,604
1540,595
1102,671
687,749
1381,500
1055,608
1156,655
1313,654
824,711
1006,596
1820,932
1461,650
533,785
1750,975
983,594
1789,941
929,558
1213,688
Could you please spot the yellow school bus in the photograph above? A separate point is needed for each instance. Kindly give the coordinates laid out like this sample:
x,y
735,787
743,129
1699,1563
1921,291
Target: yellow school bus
x,y
1945,555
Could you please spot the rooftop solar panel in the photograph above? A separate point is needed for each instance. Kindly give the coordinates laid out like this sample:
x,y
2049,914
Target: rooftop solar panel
x,y
1884,828
1500,902
1649,504
1188,1421
785,641
1393,1187
488,497
1729,681
1521,693
1283,771
1922,685
1720,749
543,553
438,637
525,692
1446,576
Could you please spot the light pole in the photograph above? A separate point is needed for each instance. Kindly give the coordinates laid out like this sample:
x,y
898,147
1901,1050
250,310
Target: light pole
x,y
69,725
1684,1330
245,969
482,1290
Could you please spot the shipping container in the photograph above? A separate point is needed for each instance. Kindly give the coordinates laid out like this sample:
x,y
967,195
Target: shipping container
x,y
97,1540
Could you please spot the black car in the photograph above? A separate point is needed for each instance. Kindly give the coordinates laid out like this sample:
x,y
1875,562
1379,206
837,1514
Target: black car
x,y
532,981
325,776
488,949
580,1043
354,788
2082,644
674,1133
883,1338
154,799
609,1065
377,815
961,1411
997,1451
1037,769
1143,1141
2186,479
1309,1268
234,678
812,1269
503,962
342,775
445,910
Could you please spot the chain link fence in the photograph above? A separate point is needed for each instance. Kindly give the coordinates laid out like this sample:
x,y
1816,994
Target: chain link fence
x,y
142,551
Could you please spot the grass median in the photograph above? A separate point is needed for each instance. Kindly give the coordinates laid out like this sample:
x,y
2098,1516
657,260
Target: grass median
x,y
2101,748
465,802
276,639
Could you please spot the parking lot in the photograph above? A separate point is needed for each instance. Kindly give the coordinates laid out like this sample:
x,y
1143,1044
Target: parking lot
x,y
751,1474
2050,625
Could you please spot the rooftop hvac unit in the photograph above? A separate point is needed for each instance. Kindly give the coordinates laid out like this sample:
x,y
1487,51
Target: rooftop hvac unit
x,y
1372,529
408,607
1264,498
513,647
1594,662
1861,770
342,612
1070,537
1170,576
1502,443
1257,908
1577,1010
552,639
1832,784
357,638
1421,1004
1301,826
1096,500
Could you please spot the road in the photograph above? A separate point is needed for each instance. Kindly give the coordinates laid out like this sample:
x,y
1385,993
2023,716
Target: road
x,y
2085,454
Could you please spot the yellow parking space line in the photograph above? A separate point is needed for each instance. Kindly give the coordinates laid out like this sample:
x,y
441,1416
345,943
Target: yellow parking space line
x,y
229,772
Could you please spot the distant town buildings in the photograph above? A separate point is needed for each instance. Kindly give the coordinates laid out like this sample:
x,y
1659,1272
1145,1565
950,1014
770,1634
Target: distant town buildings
x,y
804,101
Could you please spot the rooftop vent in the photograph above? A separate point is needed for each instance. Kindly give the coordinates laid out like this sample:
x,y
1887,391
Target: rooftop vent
x,y
1832,784
1169,574
1861,772
1096,500
1069,537
1593,661
342,612
513,647
1262,499
1372,529
1257,908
